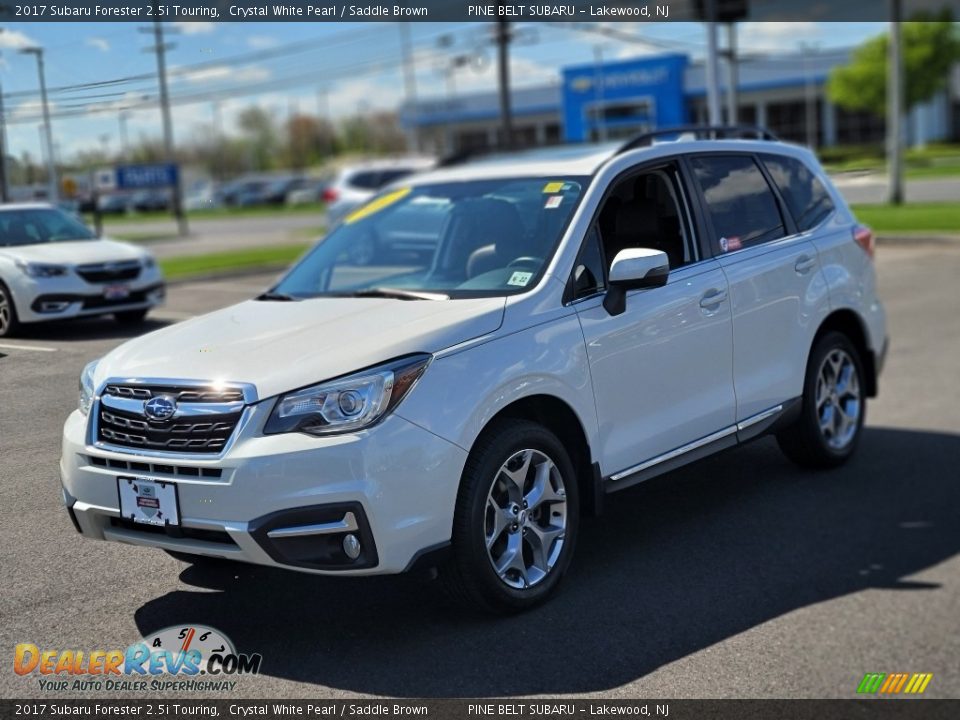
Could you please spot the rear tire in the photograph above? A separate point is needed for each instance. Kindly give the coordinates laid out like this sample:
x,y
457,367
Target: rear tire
x,y
9,322
833,406
131,317
515,524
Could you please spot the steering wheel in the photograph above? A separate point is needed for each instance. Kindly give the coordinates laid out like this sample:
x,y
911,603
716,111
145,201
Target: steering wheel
x,y
525,260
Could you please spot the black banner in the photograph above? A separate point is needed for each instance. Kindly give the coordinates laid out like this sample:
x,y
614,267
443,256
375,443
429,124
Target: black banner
x,y
458,10
540,709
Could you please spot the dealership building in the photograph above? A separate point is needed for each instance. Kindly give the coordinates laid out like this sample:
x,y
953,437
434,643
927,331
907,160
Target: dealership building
x,y
785,93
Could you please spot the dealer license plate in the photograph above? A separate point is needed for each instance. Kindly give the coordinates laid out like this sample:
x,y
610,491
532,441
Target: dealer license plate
x,y
116,292
151,502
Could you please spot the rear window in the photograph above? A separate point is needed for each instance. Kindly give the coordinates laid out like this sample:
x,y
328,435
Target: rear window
x,y
806,197
741,203
368,180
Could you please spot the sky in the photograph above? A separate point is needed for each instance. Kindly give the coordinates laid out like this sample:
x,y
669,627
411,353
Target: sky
x,y
336,69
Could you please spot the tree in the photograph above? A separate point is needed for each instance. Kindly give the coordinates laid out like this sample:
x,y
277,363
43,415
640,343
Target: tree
x,y
257,124
931,46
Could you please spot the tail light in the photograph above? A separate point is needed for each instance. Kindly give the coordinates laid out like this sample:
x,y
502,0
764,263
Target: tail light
x,y
865,239
329,195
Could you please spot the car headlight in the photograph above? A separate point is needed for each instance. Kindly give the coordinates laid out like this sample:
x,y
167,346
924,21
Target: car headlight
x,y
87,390
348,404
42,270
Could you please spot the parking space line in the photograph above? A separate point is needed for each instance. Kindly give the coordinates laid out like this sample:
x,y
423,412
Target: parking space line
x,y
31,348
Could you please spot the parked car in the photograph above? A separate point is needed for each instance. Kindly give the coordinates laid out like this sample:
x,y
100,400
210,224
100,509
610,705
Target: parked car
x,y
156,200
309,193
201,195
587,318
114,204
276,191
355,184
251,194
53,267
247,188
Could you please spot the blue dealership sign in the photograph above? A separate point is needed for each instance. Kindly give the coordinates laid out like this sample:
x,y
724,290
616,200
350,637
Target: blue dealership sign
x,y
143,177
623,98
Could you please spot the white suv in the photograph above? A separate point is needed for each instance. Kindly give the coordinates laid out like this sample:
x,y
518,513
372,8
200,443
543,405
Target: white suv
x,y
53,267
589,318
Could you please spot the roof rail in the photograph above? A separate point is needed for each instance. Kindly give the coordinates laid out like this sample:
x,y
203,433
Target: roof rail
x,y
700,132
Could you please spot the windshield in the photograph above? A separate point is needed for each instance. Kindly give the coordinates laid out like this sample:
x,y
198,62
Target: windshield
x,y
34,226
462,239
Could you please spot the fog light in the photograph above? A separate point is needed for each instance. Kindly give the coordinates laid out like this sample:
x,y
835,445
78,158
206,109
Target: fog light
x,y
351,546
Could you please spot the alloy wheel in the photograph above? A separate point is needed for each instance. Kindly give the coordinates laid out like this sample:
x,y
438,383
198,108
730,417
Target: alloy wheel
x,y
4,313
525,519
838,399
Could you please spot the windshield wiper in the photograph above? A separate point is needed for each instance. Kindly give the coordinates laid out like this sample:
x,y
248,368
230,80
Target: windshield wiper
x,y
277,296
397,294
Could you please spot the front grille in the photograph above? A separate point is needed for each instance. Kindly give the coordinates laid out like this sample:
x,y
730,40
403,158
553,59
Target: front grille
x,y
195,429
214,536
109,272
181,394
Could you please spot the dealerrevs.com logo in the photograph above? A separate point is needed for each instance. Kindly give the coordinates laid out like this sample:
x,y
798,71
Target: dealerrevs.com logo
x,y
179,658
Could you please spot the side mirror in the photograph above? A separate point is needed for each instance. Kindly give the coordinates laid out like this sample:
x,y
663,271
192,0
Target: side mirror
x,y
634,269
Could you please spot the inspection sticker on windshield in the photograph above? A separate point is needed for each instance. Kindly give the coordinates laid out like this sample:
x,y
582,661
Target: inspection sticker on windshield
x,y
553,187
377,205
520,278
553,202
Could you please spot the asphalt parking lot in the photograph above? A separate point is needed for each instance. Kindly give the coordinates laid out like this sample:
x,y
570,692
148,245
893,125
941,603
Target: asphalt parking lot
x,y
740,576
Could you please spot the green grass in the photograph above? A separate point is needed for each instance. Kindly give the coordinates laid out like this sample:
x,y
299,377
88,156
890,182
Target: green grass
x,y
913,218
267,258
933,161
213,214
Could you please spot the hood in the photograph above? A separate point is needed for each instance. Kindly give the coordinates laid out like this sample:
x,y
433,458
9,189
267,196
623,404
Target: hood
x,y
75,252
281,346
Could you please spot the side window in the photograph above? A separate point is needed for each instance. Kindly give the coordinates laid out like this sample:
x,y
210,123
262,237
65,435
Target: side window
x,y
740,202
805,196
588,275
368,180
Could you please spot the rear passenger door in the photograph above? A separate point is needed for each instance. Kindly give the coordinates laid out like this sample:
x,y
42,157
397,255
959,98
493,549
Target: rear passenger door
x,y
777,293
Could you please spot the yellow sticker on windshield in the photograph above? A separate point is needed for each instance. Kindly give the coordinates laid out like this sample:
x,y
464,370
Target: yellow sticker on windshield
x,y
377,205
553,187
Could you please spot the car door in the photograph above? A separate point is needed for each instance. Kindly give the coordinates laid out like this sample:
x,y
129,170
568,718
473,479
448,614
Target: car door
x,y
661,370
777,294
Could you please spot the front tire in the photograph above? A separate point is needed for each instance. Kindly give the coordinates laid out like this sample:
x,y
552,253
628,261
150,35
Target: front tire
x,y
515,524
833,407
9,323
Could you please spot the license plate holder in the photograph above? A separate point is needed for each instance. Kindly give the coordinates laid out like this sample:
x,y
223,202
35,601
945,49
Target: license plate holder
x,y
116,292
149,502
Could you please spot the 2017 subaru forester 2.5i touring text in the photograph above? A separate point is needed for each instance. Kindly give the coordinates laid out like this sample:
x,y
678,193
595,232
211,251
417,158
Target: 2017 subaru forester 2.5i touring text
x,y
587,318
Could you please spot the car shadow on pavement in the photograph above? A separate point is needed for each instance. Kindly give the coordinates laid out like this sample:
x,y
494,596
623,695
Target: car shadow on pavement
x,y
88,329
673,566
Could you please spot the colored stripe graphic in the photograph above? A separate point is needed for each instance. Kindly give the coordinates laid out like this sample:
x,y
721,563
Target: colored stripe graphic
x,y
894,683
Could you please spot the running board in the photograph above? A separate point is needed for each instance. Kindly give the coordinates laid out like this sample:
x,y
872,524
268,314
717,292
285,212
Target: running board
x,y
747,429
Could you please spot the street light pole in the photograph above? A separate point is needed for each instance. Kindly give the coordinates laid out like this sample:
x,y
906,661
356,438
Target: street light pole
x,y
53,194
895,111
4,176
124,146
503,61
713,70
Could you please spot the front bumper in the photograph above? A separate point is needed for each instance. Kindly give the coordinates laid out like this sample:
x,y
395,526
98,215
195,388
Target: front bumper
x,y
71,297
282,500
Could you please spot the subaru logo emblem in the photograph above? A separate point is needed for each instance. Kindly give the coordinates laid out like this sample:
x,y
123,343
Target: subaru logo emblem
x,y
162,407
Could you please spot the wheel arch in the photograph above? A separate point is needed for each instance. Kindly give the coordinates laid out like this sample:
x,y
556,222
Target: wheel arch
x,y
849,323
562,420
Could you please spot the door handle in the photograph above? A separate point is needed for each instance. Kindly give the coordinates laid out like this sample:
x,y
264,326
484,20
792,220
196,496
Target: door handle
x,y
804,264
712,299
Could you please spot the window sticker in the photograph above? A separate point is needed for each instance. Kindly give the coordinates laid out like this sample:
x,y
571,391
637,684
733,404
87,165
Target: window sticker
x,y
730,244
552,187
377,205
520,278
553,202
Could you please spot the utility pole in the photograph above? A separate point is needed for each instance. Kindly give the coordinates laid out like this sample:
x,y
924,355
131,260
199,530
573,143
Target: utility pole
x,y
52,192
598,80
503,62
4,176
124,145
810,97
733,80
409,87
713,70
895,110
160,48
